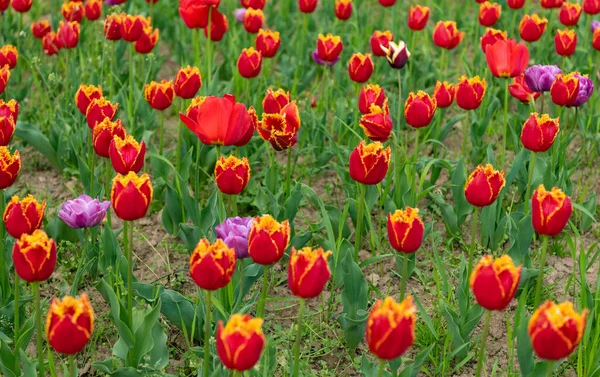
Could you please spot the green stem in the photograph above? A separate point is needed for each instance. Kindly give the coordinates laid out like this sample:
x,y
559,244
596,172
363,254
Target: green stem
x,y
38,322
131,77
465,135
72,366
91,159
197,177
208,50
486,327
399,108
473,238
128,234
108,178
207,331
397,170
549,370
260,311
298,337
241,286
162,132
529,179
16,318
179,137
540,279
404,276
381,368
288,175
416,172
359,218
505,125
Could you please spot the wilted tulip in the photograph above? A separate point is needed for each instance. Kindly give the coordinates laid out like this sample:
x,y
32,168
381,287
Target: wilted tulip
x,y
103,135
234,231
212,265
23,216
10,165
370,94
360,67
405,230
240,342
267,42
369,163
232,174
268,240
131,196
419,109
551,210
494,282
83,212
34,256
380,39
532,27
470,92
446,35
390,328
444,94
69,324
187,82
126,154
484,185
308,271
538,133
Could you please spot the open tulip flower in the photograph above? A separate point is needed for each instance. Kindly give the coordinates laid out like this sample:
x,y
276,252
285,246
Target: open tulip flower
x,y
380,40
446,35
281,129
23,216
538,133
539,78
69,324
484,185
507,58
8,56
492,36
240,342
83,212
417,17
532,27
489,13
234,231
390,327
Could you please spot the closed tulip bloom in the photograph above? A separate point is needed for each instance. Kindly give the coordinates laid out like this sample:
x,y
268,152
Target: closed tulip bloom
x,y
23,216
268,240
541,77
34,256
218,26
470,92
329,47
40,28
555,330
10,165
360,67
8,56
212,265
549,4
256,4
232,174
380,39
187,82
194,13
4,5
370,94
343,9
9,109
4,76
22,6
219,121
417,17
7,129
275,101
112,27
50,44
132,27
586,88
569,14
307,6
85,95
515,4
240,342
507,58
489,13
405,230
565,42
267,42
532,27
281,129
521,91
591,6
396,54
131,196
596,39
308,271
377,123
390,329
72,11
68,34
253,20
387,3
103,135
444,94
494,282
126,154
492,36
83,212
564,89
419,109
484,185
538,133
446,35
98,110
159,95
147,41
369,163
249,63
69,324
551,210
93,9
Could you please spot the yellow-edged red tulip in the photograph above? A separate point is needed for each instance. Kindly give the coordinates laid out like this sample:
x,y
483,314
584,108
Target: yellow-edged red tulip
x,y
550,210
249,63
281,129
369,163
538,133
380,39
93,9
159,95
103,135
23,216
417,17
126,154
308,271
564,89
446,35
4,76
549,4
253,20
132,27
390,329
10,165
470,92
484,185
112,27
405,230
532,27
268,239
515,4
232,174
40,28
419,109
591,6
85,95
569,14
131,196
565,42
267,42
256,4
240,342
343,9
147,40
69,324
370,94
22,6
34,256
9,56
307,6
360,67
68,34
212,265
187,82
72,11
50,44
275,100
444,94
596,39
377,123
494,282
7,128
98,110
329,47
489,13
194,13
492,36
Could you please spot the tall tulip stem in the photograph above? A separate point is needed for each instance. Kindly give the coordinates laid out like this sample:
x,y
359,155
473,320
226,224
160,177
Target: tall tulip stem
x,y
465,134
486,328
35,287
288,175
381,368
415,177
360,207
505,125
260,311
162,132
473,238
529,179
108,172
550,367
540,279
131,77
397,170
128,234
298,337
207,323
72,366
404,276
17,307
208,52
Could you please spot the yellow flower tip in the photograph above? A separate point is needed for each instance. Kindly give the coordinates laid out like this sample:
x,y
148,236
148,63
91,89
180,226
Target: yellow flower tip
x,y
129,140
244,325
395,311
268,224
311,254
232,162
407,215
37,238
131,177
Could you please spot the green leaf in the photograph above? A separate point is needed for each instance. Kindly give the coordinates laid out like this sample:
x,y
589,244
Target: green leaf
x,y
412,370
36,138
117,311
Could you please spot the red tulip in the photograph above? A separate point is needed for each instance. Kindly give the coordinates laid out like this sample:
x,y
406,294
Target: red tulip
x,y
390,328
565,42
495,282
70,324
253,20
40,28
329,47
267,42
417,17
218,26
281,129
10,165
531,28
569,14
515,4
369,163
446,35
34,256
551,3
147,41
232,174
98,110
343,9
240,342
103,135
112,27
187,82
380,39
249,63
268,240
22,6
126,154
484,185
507,58
470,92
93,9
159,95
492,36
4,76
550,210
538,133
85,95
212,265
521,91
72,11
8,56
377,123
275,101
132,27
405,230
564,89
591,6
308,272
131,196
68,34
370,94
23,216
489,13
307,6
444,94
360,67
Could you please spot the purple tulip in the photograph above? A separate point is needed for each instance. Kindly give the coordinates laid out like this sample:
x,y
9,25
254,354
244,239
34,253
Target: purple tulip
x,y
238,14
586,88
595,25
234,232
83,212
539,78
319,61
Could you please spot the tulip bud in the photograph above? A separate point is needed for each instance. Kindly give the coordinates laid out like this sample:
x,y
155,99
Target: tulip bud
x,y
419,109
240,342
515,4
405,230
549,4
551,210
68,34
147,41
8,56
370,94
267,42
72,11
444,94
187,82
69,324
591,6
249,63
308,271
521,91
538,133
489,13
85,95
390,327
40,28
396,54
131,196
232,174
492,36
387,3
307,6
194,13
10,165
212,265
495,282
112,27
218,26
268,240
132,27
253,20
126,154
4,76
446,35
100,109
159,95
369,163
377,124
418,17
93,9
564,89
380,39
22,6
23,216
275,101
256,4
281,130
103,135
484,185
565,42
329,47
569,14
9,109
556,330
50,44
470,92
343,9
34,256
7,129
360,67
532,27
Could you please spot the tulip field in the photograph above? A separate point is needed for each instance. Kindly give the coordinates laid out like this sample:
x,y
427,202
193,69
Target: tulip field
x,y
296,188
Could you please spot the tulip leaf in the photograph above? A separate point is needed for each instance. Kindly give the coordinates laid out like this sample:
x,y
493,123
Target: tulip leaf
x,y
369,369
171,215
7,360
182,313
412,370
354,297
29,367
461,207
118,312
33,136
524,350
